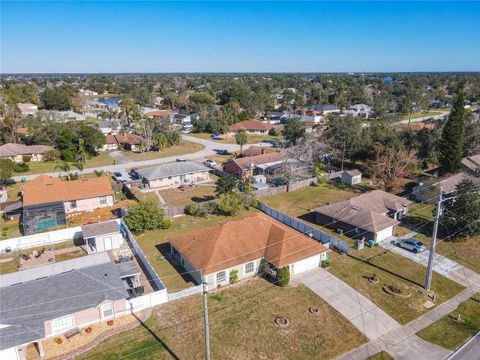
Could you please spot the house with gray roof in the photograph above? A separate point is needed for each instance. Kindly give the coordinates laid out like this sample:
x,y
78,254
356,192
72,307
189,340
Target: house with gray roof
x,y
53,299
174,174
370,216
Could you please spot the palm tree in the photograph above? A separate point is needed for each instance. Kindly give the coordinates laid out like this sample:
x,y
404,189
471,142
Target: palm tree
x,y
241,138
63,166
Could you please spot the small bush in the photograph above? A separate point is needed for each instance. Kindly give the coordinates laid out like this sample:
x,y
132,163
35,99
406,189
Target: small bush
x,y
283,276
196,210
233,277
272,132
21,167
26,158
326,263
220,296
166,224
51,155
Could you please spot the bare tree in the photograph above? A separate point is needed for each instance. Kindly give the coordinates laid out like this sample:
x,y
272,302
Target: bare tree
x,y
392,164
146,128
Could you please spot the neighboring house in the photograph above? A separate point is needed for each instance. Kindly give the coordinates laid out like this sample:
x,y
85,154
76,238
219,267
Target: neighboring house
x,y
256,150
351,177
102,236
247,246
245,166
47,201
109,127
110,143
50,300
27,109
252,127
427,189
276,117
371,216
69,116
361,110
324,109
309,115
159,114
16,152
174,174
11,210
87,92
130,142
472,164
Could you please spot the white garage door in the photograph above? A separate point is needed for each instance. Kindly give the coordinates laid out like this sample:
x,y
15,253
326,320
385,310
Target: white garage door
x,y
385,233
306,264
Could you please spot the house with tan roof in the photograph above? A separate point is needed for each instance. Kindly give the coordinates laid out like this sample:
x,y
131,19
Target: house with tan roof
x,y
47,201
252,127
256,150
245,166
246,245
27,108
128,141
370,216
16,152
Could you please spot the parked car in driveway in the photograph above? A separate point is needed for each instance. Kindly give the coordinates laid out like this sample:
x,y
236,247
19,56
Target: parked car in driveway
x,y
210,163
412,245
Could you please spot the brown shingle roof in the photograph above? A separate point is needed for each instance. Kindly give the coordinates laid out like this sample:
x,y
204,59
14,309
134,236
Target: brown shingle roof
x,y
251,125
11,149
130,139
239,241
365,211
245,162
46,189
257,150
110,139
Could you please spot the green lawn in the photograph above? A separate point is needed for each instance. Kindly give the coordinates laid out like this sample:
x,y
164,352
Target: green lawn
x,y
252,138
241,327
154,245
382,355
186,147
424,114
391,269
451,334
102,159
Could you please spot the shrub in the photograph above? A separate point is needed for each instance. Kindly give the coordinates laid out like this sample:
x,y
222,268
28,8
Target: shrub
x,y
22,167
283,276
51,155
195,210
229,204
233,277
326,263
146,215
220,296
26,158
58,340
272,132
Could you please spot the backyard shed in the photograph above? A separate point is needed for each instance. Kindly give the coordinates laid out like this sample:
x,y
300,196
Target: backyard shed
x,y
102,236
352,177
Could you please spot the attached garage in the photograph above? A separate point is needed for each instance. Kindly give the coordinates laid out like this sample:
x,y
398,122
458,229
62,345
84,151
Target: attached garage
x,y
305,264
384,234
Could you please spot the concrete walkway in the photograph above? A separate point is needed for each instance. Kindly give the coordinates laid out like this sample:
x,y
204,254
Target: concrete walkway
x,y
398,341
360,311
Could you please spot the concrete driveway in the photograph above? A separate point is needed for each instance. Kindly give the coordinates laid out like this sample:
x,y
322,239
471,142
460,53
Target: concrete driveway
x,y
418,349
360,311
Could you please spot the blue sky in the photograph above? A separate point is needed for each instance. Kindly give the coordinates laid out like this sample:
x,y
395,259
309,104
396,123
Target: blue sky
x,y
336,36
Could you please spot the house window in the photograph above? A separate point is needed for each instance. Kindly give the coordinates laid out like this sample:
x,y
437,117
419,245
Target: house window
x,y
221,276
73,204
62,324
103,200
107,310
249,267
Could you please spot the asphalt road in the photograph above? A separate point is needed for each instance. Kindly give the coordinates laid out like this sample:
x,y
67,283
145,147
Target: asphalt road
x,y
470,351
210,148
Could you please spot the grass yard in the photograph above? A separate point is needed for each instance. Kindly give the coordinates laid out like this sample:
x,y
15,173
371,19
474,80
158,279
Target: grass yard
x,y
422,114
9,229
382,355
175,197
391,269
241,327
252,138
102,159
154,244
451,334
186,147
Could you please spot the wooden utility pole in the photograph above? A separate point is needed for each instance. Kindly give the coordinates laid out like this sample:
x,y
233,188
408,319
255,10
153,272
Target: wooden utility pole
x,y
343,152
428,279
205,309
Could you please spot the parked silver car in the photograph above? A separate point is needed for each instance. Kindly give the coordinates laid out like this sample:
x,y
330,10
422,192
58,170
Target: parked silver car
x,y
412,245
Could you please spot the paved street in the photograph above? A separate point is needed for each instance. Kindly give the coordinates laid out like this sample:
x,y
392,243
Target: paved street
x,y
470,351
360,311
210,148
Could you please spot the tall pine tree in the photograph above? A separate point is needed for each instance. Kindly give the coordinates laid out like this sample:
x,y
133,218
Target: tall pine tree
x,y
451,143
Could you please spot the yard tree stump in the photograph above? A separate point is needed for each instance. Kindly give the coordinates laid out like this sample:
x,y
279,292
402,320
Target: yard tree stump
x,y
281,321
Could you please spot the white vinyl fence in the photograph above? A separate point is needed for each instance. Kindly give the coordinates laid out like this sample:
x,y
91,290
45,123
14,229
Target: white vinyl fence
x,y
147,301
186,292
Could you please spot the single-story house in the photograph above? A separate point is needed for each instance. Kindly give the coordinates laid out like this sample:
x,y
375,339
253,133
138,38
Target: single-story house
x,y
426,192
252,127
325,108
110,143
361,110
174,174
159,114
245,166
370,216
256,150
47,201
70,116
308,115
16,152
351,177
128,141
472,164
102,236
50,300
109,127
246,245
27,108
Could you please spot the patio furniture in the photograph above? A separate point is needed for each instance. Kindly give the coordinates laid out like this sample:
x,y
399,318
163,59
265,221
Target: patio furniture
x,y
72,332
